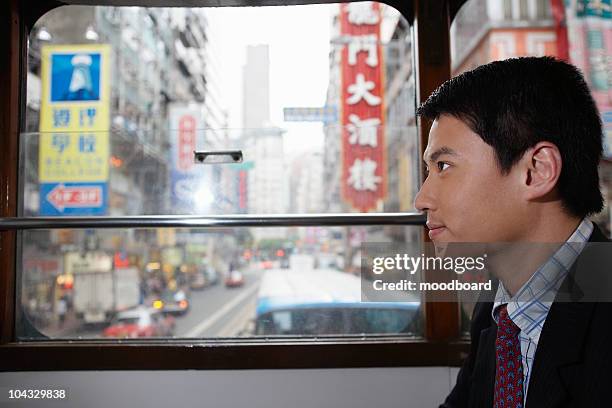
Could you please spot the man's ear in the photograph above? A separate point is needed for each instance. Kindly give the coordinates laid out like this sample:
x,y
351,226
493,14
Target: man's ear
x,y
541,169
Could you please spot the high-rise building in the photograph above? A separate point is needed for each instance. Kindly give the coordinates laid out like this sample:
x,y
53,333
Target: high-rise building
x,y
403,156
333,131
159,56
267,186
306,190
489,30
256,87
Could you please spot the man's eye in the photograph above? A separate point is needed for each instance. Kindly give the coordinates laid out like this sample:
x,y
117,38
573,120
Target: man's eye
x,y
442,166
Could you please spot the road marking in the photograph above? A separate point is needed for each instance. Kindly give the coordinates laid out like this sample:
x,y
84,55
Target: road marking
x,y
240,320
207,323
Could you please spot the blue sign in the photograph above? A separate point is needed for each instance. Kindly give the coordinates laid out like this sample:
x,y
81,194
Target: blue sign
x,y
75,77
74,199
184,190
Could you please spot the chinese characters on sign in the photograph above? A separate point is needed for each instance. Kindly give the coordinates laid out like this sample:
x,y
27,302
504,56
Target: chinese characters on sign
x,y
362,119
74,130
187,131
186,142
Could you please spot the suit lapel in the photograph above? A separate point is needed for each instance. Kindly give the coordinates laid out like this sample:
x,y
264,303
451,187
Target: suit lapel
x,y
597,235
484,371
561,342
560,347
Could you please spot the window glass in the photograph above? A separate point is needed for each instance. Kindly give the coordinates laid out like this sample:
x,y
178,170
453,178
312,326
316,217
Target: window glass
x,y
483,32
507,9
523,9
543,9
120,98
290,120
247,282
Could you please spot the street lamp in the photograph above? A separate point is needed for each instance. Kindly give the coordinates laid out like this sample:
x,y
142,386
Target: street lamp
x,y
43,34
91,34
203,199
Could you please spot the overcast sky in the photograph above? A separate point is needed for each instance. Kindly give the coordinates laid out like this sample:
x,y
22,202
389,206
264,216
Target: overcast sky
x,y
298,37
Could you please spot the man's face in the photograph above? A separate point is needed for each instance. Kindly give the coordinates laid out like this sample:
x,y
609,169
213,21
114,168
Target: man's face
x,y
466,197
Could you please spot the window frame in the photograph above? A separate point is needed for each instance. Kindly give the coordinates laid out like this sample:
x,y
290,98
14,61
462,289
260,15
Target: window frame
x,y
442,344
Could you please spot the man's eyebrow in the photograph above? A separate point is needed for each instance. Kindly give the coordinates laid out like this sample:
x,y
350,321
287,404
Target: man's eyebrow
x,y
439,152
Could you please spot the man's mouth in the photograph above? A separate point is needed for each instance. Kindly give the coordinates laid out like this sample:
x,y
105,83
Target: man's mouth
x,y
435,229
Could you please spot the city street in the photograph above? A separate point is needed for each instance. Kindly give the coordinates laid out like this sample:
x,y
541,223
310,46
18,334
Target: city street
x,y
216,311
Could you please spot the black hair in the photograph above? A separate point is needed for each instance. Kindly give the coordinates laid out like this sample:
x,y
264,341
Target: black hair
x,y
515,104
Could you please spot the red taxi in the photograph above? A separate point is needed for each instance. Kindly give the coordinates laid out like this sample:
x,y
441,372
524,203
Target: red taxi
x,y
140,322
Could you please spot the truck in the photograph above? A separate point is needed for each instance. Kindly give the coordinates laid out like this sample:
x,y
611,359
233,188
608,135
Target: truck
x,y
302,262
100,294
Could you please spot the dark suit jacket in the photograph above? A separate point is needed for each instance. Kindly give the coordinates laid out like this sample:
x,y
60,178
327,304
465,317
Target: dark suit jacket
x,y
573,361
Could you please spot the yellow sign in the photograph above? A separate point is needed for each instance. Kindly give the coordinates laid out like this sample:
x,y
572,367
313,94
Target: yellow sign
x,y
74,114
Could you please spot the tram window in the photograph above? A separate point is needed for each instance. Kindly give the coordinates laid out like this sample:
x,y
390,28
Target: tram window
x,y
219,284
123,101
118,101
483,32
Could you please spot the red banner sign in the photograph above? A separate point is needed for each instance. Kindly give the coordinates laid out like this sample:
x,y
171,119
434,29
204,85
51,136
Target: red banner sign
x,y
364,173
558,12
242,189
186,142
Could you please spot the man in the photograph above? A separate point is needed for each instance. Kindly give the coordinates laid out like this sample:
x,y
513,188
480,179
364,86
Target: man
x,y
512,157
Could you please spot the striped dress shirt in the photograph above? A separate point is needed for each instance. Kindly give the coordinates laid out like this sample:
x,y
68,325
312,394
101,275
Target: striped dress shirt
x,y
529,307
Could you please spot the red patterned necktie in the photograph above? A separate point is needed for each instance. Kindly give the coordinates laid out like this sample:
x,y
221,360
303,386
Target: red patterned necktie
x,y
508,366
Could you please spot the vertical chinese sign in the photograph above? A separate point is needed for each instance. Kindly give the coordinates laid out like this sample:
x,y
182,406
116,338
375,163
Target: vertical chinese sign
x,y
189,189
74,130
364,170
242,191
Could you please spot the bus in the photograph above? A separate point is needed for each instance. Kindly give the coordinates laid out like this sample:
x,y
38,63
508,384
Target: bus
x,y
313,302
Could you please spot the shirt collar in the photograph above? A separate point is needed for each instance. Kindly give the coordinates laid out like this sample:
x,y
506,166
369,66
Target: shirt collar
x,y
529,307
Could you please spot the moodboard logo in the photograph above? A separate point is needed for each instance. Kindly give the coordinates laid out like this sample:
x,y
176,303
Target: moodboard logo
x,y
75,77
562,272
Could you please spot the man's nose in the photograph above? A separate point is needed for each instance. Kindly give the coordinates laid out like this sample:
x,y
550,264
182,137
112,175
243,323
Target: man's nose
x,y
424,200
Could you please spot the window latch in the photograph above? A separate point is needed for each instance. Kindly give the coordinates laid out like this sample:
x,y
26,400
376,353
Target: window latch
x,y
217,157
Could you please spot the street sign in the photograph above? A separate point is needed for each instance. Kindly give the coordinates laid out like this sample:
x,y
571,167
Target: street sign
x,y
326,114
187,132
73,198
364,167
87,262
247,165
184,189
73,159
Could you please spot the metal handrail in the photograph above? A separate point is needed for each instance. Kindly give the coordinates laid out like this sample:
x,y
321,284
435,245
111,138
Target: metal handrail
x,y
191,221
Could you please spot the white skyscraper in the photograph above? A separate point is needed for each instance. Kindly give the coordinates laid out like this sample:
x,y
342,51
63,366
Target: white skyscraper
x,y
263,143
